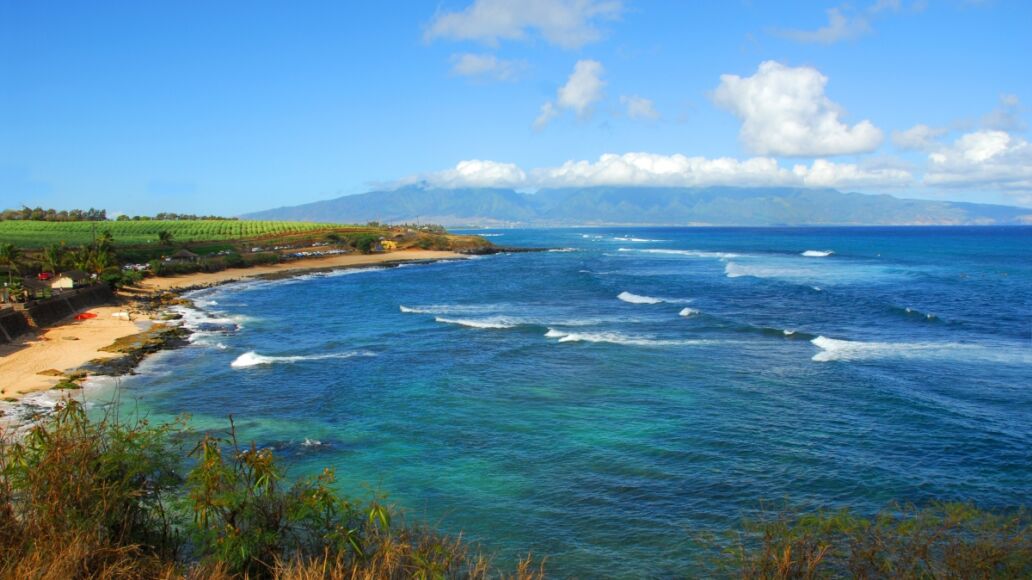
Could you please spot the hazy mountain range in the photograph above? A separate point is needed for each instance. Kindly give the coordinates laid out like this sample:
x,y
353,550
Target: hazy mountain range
x,y
643,206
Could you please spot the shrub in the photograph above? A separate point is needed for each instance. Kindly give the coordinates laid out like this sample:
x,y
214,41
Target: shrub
x,y
945,540
82,498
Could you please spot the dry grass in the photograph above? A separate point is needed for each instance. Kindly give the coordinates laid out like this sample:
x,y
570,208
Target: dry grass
x,y
106,499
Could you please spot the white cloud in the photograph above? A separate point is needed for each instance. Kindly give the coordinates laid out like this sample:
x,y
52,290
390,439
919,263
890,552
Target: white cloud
x,y
918,137
582,90
567,23
824,173
485,66
655,170
1006,116
839,27
784,112
546,115
639,108
844,23
478,173
985,159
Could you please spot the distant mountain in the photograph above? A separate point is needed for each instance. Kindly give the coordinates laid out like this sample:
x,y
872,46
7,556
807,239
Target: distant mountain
x,y
643,206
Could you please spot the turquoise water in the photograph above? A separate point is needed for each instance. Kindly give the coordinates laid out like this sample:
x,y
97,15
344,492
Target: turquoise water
x,y
606,404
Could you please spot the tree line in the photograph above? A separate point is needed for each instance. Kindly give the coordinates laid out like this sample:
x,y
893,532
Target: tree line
x,y
39,214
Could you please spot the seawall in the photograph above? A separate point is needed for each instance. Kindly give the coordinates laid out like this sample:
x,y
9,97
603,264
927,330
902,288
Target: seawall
x,y
42,313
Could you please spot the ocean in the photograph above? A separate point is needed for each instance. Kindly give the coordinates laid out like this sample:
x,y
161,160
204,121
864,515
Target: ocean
x,y
610,402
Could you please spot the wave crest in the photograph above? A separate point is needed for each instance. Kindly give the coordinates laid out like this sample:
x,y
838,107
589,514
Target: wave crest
x,y
637,299
497,322
617,338
253,359
817,253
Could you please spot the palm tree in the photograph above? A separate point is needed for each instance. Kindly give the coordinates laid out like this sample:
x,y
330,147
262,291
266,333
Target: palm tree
x,y
9,256
52,257
165,237
105,241
82,258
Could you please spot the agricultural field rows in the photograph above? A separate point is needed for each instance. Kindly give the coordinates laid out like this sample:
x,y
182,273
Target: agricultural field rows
x,y
35,234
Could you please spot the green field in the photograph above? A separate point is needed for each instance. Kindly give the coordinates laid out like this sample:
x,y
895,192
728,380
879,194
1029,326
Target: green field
x,y
36,234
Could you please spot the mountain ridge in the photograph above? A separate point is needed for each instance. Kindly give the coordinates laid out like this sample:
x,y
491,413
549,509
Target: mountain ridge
x,y
641,206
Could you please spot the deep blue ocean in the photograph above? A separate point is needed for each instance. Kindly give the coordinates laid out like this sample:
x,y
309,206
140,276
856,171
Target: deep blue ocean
x,y
607,404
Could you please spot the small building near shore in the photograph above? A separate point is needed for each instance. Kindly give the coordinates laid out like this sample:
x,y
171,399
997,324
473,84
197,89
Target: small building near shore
x,y
185,255
70,279
36,289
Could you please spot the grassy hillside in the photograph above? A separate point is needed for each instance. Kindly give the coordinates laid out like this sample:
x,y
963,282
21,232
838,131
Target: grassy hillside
x,y
36,234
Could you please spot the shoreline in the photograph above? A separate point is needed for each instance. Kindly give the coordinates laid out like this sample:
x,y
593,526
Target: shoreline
x,y
59,354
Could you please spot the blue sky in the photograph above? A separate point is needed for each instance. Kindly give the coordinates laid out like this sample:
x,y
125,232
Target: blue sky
x,y
231,107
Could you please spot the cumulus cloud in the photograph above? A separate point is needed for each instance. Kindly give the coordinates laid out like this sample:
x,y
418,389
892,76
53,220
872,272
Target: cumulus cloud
x,y
582,90
478,173
639,108
655,170
824,173
485,66
986,159
918,137
566,23
784,111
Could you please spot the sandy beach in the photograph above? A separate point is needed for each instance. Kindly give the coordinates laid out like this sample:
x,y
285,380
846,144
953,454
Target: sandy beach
x,y
341,261
72,343
63,347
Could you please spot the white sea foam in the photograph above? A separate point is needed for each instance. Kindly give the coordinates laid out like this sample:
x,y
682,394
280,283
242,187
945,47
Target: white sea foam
x,y
452,308
688,312
496,322
637,240
489,235
817,253
686,253
854,350
311,443
563,250
253,359
617,338
637,299
788,332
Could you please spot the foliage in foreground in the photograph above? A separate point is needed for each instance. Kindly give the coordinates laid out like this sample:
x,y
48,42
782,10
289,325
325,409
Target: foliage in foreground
x,y
111,499
947,540
80,498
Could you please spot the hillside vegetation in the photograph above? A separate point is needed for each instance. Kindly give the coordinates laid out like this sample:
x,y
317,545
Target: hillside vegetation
x,y
640,206
37,234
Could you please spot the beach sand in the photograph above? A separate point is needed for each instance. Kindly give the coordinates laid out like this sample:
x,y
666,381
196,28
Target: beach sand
x,y
341,261
63,347
72,343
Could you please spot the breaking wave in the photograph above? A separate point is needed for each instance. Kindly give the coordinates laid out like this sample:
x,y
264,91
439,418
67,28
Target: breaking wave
x,y
688,253
853,350
494,322
637,299
817,253
688,312
253,359
618,338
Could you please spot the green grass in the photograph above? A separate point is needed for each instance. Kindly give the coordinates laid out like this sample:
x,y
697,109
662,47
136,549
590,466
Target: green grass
x,y
37,234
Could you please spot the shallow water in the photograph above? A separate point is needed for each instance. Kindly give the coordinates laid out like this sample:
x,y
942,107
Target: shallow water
x,y
604,405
